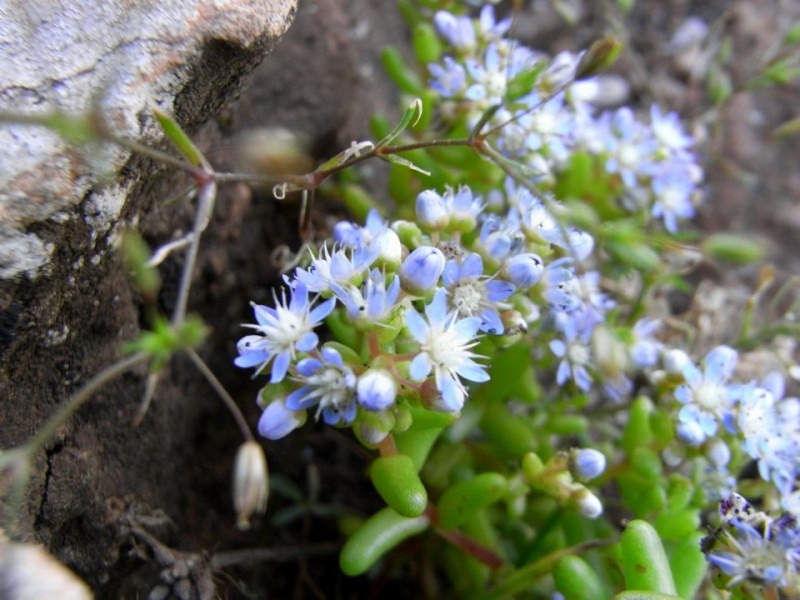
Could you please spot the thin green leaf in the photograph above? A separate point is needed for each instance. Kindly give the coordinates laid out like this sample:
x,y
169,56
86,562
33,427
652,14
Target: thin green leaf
x,y
399,160
179,139
410,117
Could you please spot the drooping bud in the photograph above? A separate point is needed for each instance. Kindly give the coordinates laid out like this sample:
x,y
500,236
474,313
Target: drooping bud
x,y
250,483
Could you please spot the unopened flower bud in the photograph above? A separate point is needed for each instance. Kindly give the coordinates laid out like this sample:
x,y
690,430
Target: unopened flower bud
x,y
376,390
390,251
421,269
587,463
250,483
588,504
690,433
525,270
431,212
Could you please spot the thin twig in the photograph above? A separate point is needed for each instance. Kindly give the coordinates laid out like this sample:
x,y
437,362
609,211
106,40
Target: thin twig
x,y
222,392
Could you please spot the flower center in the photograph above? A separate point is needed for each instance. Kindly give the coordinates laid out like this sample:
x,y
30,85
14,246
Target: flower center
x,y
446,349
711,396
578,354
467,297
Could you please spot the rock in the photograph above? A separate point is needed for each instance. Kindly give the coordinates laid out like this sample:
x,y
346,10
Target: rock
x,y
116,58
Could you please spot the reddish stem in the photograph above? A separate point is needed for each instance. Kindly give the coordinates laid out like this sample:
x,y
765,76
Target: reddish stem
x,y
387,447
464,542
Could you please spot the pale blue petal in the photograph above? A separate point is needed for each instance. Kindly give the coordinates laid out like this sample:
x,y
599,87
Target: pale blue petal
x,y
451,273
582,378
264,314
452,394
280,366
341,269
277,421
301,399
472,266
332,356
491,323
468,327
307,342
720,364
472,371
558,347
420,367
417,325
497,291
299,300
308,366
322,311
251,359
563,373
437,309
684,394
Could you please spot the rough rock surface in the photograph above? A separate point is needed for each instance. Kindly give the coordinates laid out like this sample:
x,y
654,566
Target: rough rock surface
x,y
121,57
65,304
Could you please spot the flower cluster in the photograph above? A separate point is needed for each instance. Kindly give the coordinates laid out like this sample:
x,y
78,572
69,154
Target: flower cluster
x,y
554,125
435,304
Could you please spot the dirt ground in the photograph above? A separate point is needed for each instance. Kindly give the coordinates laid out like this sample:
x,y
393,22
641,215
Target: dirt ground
x,y
130,509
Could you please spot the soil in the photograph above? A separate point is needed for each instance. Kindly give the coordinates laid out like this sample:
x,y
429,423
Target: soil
x,y
135,510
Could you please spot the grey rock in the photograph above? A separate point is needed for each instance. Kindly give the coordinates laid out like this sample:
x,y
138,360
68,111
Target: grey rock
x,y
114,59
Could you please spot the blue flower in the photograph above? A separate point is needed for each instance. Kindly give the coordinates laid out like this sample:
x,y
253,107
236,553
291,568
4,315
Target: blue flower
x,y
449,80
282,331
706,397
462,207
767,558
489,28
668,130
341,267
473,295
329,385
631,146
459,32
673,187
645,349
575,358
445,342
771,429
372,302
